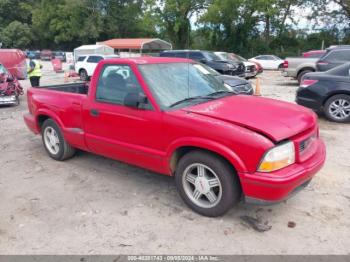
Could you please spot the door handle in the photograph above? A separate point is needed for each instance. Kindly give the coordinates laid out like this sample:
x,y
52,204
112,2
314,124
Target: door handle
x,y
94,112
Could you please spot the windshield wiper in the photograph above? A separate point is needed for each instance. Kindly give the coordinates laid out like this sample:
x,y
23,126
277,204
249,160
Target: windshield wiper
x,y
220,92
191,98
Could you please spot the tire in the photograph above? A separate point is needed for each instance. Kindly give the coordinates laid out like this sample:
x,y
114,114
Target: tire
x,y
340,102
194,193
83,75
301,74
62,150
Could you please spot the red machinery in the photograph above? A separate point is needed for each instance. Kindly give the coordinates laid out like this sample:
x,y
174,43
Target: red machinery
x,y
10,88
57,65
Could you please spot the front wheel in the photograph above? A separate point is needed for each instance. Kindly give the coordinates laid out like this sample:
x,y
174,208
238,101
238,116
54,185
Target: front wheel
x,y
54,142
337,108
206,183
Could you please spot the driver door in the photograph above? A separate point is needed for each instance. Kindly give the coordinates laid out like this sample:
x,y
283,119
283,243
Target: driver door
x,y
132,135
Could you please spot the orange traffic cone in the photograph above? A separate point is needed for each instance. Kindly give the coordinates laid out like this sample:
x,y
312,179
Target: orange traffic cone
x,y
257,87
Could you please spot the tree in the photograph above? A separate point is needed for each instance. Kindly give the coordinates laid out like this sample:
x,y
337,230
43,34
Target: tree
x,y
175,18
16,35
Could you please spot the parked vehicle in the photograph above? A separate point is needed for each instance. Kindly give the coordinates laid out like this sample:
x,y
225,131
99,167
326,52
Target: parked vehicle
x,y
15,62
258,66
208,58
250,72
59,55
314,53
235,84
297,67
85,65
333,57
269,62
10,88
30,54
327,92
46,54
250,69
167,115
85,50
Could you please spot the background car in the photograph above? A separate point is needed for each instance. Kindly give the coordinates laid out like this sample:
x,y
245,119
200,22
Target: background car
x,y
250,69
46,54
314,53
327,92
59,55
15,62
208,58
333,57
236,84
85,65
269,62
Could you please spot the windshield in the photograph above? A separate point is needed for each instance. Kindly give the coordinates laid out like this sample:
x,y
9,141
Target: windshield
x,y
242,59
223,56
211,56
174,82
3,70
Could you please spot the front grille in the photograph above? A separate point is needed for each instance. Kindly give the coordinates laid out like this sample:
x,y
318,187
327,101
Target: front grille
x,y
250,68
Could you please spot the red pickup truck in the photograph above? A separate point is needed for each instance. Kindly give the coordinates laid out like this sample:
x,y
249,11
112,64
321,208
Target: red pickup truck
x,y
170,115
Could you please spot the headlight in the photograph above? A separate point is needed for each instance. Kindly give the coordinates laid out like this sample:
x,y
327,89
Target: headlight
x,y
278,157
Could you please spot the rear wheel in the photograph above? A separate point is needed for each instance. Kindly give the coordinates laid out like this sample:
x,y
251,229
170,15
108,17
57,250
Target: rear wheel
x,y
280,67
301,74
206,183
54,142
83,75
337,108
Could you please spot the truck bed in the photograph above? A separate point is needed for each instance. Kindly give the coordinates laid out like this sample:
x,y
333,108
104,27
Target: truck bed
x,y
78,88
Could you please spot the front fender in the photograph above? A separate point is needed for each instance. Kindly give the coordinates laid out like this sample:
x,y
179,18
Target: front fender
x,y
209,145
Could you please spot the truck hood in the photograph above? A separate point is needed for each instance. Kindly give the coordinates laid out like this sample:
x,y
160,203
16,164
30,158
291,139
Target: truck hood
x,y
274,119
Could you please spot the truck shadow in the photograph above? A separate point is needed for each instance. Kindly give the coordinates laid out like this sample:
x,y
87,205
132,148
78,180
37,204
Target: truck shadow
x,y
158,192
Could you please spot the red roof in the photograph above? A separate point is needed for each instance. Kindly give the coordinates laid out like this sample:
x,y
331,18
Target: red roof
x,y
137,43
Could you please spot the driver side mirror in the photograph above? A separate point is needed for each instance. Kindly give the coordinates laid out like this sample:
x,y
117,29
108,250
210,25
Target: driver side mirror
x,y
135,100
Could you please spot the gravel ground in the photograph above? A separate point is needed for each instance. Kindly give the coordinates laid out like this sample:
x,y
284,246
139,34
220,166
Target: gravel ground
x,y
93,205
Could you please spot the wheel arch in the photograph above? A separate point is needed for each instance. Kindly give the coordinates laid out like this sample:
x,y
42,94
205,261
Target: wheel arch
x,y
338,92
300,70
179,149
44,115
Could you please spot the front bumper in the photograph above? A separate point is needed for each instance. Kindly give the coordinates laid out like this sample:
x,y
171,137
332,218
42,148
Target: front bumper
x,y
250,74
304,97
274,187
8,100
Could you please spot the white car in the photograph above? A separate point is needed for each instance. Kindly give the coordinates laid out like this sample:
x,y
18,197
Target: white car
x,y
86,64
269,61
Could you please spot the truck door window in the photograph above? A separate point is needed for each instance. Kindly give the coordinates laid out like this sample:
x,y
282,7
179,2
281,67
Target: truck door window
x,y
115,82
